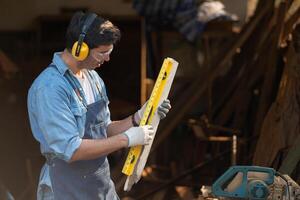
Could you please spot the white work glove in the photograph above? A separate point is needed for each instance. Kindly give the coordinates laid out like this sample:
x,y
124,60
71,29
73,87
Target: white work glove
x,y
162,110
140,135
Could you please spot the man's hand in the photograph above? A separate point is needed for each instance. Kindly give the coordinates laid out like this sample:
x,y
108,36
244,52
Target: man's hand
x,y
162,110
139,135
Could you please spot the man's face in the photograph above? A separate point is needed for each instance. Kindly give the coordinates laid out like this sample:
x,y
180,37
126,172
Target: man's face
x,y
98,56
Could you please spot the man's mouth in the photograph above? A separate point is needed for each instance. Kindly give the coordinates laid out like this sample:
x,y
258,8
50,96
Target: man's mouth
x,y
100,63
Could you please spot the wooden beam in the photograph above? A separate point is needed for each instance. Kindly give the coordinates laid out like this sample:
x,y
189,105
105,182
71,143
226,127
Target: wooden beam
x,y
192,94
246,64
289,164
143,62
267,91
281,125
291,21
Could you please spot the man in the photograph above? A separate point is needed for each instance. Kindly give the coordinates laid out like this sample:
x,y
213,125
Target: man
x,y
70,118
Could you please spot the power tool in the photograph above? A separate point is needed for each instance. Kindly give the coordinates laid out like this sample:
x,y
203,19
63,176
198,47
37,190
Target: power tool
x,y
253,183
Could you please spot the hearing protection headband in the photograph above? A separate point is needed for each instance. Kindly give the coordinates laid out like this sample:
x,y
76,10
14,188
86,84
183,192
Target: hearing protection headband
x,y
87,23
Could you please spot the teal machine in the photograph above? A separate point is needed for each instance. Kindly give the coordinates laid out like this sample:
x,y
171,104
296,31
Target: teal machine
x,y
255,183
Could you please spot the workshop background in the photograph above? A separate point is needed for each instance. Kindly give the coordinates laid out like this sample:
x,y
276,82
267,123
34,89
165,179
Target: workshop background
x,y
235,97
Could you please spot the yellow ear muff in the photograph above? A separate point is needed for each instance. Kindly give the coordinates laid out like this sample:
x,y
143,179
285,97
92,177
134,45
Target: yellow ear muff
x,y
83,53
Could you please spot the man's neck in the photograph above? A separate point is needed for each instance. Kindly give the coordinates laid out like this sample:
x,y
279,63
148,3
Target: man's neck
x,y
71,62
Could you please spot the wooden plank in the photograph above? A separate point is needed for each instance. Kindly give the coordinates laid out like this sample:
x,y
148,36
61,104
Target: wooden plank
x,y
271,70
293,9
143,62
292,159
290,23
192,94
241,87
281,125
167,76
246,65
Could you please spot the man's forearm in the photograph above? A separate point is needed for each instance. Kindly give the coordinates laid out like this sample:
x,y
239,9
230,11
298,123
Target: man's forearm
x,y
95,148
117,127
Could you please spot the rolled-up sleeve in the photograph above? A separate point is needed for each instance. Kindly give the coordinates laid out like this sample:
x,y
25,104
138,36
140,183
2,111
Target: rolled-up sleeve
x,y
56,121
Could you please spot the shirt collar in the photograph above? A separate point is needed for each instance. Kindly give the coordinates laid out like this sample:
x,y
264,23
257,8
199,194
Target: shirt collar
x,y
60,64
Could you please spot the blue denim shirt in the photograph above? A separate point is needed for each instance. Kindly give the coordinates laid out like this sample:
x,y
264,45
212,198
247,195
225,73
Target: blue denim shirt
x,y
56,113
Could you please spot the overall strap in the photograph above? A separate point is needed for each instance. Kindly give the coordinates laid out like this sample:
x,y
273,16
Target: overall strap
x,y
78,90
100,87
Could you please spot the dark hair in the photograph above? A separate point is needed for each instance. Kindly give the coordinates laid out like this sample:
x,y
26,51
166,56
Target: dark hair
x,y
101,31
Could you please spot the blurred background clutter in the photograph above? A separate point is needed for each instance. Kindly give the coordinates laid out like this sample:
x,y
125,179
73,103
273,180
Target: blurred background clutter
x,y
235,97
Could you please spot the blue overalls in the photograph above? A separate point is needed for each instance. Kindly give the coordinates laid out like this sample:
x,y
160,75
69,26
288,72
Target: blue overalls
x,y
86,179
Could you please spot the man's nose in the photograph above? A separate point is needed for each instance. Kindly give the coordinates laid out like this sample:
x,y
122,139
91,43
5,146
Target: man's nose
x,y
107,58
